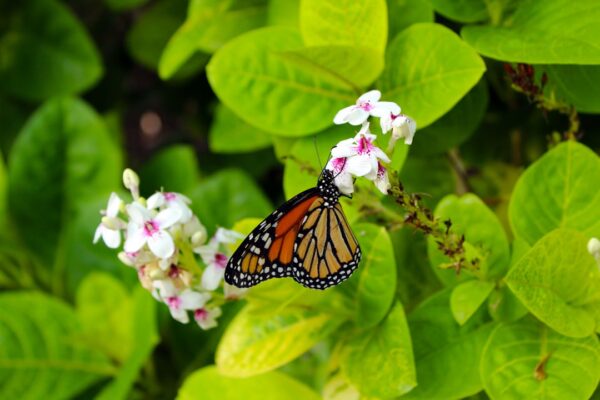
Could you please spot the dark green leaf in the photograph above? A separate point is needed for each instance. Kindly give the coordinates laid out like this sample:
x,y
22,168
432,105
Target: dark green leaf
x,y
174,169
40,354
230,134
403,13
63,157
45,51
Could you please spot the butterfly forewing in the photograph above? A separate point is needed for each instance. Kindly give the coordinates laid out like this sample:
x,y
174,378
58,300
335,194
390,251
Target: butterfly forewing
x,y
307,238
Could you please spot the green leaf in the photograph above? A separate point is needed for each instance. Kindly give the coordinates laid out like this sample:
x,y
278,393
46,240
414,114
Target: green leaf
x,y
558,280
456,126
230,134
542,32
65,149
556,192
12,119
576,85
270,386
257,342
284,13
209,25
504,306
152,30
356,66
428,70
40,356
252,76
467,297
226,197
372,286
174,169
483,232
344,22
379,362
3,186
430,175
45,30
105,309
404,13
525,359
466,11
123,5
447,355
145,335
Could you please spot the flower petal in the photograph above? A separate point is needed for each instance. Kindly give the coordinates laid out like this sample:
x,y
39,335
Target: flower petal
x,y
138,213
114,204
168,217
161,244
211,277
359,165
371,96
344,183
135,238
343,151
179,314
165,288
156,200
112,238
342,116
378,153
384,108
357,117
98,233
192,300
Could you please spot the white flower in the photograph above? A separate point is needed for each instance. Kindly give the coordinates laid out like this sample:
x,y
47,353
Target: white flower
x,y
342,178
172,199
195,231
356,157
594,248
226,236
186,301
216,260
162,289
401,126
109,228
368,104
207,318
382,181
145,228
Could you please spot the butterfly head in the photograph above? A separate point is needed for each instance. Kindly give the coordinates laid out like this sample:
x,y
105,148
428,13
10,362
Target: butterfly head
x,y
327,188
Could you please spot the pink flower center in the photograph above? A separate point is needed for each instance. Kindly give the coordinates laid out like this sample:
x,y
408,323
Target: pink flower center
x,y
221,260
367,106
364,145
173,302
200,314
169,196
380,170
142,272
338,164
150,228
394,116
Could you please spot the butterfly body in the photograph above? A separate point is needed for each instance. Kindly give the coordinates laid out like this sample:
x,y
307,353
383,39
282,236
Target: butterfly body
x,y
308,238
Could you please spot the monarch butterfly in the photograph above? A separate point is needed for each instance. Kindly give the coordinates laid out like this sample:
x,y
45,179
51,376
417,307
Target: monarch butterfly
x,y
307,238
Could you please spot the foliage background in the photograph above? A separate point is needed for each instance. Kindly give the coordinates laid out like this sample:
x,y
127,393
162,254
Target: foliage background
x,y
221,100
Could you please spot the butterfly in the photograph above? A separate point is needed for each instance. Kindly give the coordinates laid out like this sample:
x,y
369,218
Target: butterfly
x,y
308,238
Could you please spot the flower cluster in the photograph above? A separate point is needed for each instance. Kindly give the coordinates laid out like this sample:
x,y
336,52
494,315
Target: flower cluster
x,y
358,156
162,236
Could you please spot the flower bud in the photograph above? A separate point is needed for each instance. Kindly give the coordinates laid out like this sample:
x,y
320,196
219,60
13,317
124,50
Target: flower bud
x,y
112,223
594,248
125,259
199,238
132,182
156,273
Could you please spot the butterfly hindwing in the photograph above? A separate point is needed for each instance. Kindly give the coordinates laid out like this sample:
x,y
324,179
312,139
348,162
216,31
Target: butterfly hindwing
x,y
307,238
267,252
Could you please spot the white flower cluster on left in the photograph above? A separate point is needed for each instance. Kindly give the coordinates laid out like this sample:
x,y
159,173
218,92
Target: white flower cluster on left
x,y
359,156
161,237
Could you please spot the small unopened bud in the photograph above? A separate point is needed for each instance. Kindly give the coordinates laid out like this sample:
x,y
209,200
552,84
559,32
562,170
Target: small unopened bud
x,y
594,248
199,238
132,182
156,273
125,259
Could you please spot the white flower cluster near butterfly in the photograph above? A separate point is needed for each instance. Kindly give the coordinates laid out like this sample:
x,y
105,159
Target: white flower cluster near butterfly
x,y
358,156
160,237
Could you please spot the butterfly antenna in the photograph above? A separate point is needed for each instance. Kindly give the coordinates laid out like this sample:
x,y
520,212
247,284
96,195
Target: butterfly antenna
x,y
318,155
